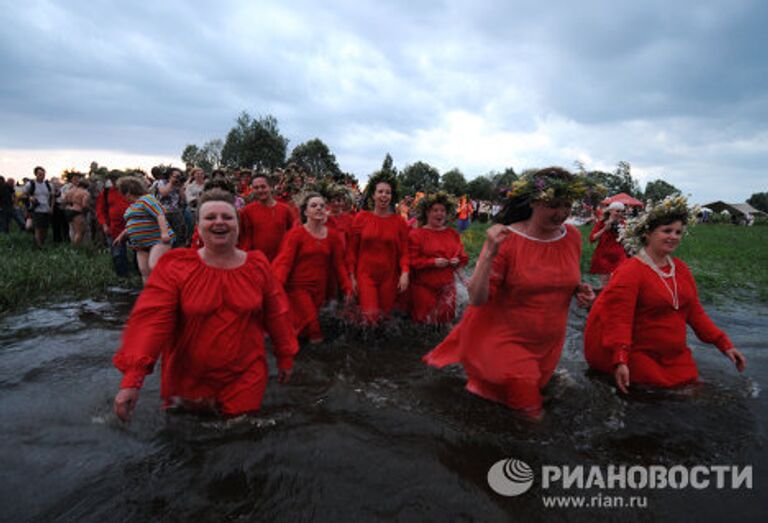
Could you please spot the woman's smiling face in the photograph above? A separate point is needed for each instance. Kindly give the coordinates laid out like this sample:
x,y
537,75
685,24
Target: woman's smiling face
x,y
218,225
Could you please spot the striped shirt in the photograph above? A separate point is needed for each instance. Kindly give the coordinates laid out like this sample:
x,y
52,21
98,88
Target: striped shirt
x,y
141,222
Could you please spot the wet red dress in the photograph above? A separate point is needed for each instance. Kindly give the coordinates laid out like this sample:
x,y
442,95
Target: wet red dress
x,y
609,252
510,346
302,267
633,322
342,224
377,255
433,289
209,325
262,227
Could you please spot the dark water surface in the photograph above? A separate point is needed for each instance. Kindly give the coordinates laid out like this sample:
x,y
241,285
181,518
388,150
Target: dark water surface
x,y
364,432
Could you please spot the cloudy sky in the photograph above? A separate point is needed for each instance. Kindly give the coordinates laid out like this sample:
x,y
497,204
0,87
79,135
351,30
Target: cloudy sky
x,y
678,89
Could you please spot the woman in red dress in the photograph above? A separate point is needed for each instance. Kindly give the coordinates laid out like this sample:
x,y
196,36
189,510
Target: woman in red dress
x,y
378,252
207,312
435,253
307,256
637,328
609,252
511,336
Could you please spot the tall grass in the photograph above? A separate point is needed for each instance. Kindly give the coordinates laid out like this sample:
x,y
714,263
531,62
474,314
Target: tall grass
x,y
729,262
30,275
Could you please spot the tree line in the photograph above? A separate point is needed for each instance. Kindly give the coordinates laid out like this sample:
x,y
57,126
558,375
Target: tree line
x,y
257,143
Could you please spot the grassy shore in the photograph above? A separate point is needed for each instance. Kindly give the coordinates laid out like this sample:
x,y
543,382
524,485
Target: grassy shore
x,y
32,275
728,262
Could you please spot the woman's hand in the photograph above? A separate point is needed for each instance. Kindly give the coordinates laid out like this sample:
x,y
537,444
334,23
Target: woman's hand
x,y
165,237
585,295
737,358
621,374
284,376
125,403
494,237
119,238
454,262
441,262
402,285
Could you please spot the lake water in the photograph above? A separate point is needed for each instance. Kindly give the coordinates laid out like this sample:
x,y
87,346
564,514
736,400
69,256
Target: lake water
x,y
364,432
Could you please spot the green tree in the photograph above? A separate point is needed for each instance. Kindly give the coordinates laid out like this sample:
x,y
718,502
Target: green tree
x,y
610,181
657,190
419,176
315,157
254,143
628,184
453,182
481,188
207,157
504,179
759,201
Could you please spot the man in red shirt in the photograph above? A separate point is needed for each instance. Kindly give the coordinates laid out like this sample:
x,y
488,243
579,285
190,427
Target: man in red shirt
x,y
264,222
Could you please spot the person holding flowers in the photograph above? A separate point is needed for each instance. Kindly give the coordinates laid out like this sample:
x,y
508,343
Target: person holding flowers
x,y
511,336
435,253
609,252
636,330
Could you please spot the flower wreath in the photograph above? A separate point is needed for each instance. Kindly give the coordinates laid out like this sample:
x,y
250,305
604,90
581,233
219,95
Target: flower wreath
x,y
631,233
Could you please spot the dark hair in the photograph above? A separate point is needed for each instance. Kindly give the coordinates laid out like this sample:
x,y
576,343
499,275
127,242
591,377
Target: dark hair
x,y
429,201
662,220
518,208
376,179
305,202
219,183
38,168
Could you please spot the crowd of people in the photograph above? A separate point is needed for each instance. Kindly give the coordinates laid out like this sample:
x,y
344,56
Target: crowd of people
x,y
230,258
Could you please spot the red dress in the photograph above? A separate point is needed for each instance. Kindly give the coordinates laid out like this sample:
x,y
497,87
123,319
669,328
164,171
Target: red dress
x,y
433,289
302,267
377,255
510,346
209,324
262,227
633,322
609,252
342,224
110,208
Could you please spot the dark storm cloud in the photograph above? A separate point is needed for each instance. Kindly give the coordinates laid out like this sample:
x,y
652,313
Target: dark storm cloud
x,y
570,79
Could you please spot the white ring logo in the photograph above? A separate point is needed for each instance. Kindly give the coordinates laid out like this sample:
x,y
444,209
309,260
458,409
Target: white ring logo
x,y
510,477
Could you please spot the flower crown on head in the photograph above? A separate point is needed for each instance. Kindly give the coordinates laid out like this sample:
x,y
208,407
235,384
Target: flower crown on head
x,y
632,231
549,184
427,201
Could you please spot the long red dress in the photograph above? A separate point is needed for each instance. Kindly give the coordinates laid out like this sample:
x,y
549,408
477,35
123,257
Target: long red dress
x,y
377,255
510,346
433,289
302,267
262,227
633,322
209,325
342,224
609,252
